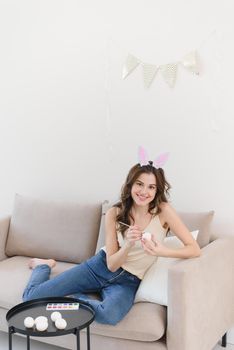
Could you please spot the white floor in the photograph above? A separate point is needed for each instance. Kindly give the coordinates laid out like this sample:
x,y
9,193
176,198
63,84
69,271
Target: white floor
x,y
19,343
219,347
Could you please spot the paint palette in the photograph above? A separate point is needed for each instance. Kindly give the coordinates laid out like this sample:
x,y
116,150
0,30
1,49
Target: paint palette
x,y
62,306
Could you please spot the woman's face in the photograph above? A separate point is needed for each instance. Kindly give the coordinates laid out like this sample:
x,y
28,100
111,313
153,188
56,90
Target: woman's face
x,y
144,189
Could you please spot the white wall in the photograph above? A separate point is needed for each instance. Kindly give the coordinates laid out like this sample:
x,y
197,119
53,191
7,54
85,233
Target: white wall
x,y
70,126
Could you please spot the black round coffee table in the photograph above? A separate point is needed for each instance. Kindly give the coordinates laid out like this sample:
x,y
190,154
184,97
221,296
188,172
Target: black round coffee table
x,y
76,319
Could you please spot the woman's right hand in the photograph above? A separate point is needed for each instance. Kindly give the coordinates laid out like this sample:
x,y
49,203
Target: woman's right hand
x,y
132,235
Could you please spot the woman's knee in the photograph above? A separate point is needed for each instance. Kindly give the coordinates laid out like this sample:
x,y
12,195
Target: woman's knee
x,y
111,317
25,296
106,319
28,295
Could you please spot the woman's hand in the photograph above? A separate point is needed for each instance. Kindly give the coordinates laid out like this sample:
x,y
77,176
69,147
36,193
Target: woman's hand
x,y
132,235
155,248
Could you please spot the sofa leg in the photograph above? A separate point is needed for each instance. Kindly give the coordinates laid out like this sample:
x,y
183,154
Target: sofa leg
x,y
224,340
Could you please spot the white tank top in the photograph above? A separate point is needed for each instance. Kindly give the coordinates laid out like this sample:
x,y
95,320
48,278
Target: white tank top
x,y
138,261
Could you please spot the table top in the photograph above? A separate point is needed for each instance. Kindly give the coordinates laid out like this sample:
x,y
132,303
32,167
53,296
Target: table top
x,y
76,319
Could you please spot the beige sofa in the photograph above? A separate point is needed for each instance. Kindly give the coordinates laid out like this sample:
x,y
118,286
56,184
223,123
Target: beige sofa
x,y
200,292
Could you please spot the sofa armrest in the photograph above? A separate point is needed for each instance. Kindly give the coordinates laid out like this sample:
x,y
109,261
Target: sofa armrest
x,y
200,298
4,227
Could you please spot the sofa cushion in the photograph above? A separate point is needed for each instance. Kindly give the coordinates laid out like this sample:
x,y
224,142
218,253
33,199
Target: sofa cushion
x,y
59,230
101,237
145,321
154,286
4,228
199,221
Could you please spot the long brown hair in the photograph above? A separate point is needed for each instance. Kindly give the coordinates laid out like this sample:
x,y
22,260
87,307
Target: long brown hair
x,y
126,201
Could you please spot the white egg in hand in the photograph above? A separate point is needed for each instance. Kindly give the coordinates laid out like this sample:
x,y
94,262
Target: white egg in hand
x,y
55,315
41,326
29,322
41,319
147,235
60,323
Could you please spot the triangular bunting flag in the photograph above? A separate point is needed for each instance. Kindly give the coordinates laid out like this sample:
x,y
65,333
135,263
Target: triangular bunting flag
x,y
130,64
169,72
190,61
149,72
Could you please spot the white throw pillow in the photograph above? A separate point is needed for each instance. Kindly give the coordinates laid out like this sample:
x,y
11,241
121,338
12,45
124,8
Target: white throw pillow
x,y
153,287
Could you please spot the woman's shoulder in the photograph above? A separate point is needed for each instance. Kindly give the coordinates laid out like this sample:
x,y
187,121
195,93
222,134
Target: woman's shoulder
x,y
168,213
112,212
166,209
164,206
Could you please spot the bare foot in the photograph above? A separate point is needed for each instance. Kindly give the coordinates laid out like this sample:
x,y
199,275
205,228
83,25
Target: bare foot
x,y
36,261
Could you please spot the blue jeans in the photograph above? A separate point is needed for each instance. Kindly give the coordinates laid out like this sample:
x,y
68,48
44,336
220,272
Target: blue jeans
x,y
117,289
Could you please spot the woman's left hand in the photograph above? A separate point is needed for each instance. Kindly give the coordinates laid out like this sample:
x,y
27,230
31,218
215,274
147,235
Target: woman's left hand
x,y
153,247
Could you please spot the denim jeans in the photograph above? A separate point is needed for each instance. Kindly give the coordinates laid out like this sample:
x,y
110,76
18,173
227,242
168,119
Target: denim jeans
x,y
117,289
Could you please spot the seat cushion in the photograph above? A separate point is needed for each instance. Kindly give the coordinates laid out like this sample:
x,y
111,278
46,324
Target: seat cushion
x,y
14,276
59,230
145,321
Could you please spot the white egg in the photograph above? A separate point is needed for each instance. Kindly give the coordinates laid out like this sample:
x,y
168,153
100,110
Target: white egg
x,y
55,315
41,319
147,235
60,323
41,326
29,322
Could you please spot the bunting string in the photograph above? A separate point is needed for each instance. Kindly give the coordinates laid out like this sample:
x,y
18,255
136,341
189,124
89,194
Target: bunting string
x,y
168,71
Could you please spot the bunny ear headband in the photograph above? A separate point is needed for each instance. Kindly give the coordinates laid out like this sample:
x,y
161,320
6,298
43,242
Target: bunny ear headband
x,y
157,163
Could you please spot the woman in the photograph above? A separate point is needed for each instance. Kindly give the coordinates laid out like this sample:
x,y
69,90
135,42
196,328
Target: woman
x,y
116,271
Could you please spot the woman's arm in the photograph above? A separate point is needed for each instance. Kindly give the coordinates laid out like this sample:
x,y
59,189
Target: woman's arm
x,y
190,250
116,256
